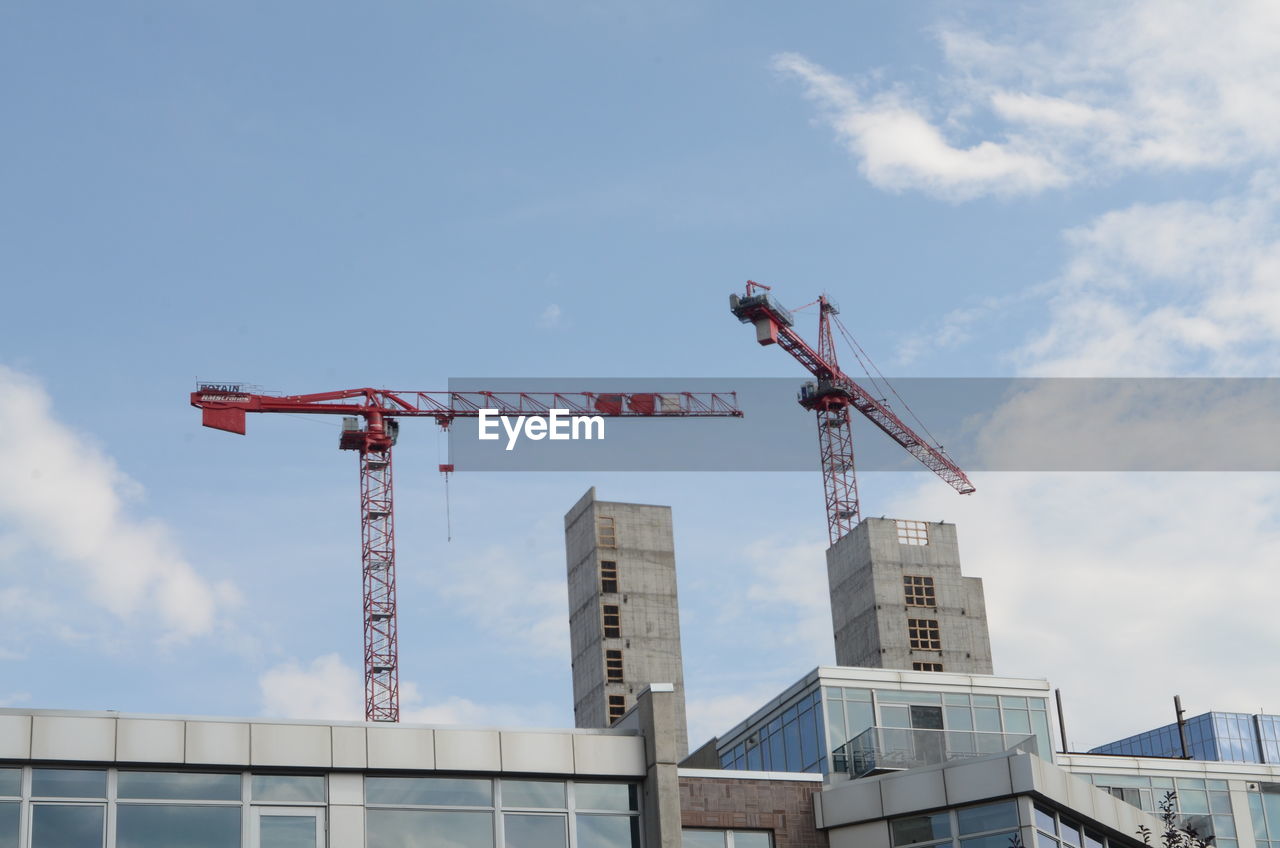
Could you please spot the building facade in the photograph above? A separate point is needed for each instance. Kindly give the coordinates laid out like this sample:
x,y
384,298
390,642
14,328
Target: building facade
x,y
624,617
898,600
1227,737
828,709
105,780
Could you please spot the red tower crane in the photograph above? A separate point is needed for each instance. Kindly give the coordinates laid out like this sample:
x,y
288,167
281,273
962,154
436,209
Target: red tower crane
x,y
831,397
224,407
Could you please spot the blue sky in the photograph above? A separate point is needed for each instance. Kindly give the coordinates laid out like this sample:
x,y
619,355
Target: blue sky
x,y
311,197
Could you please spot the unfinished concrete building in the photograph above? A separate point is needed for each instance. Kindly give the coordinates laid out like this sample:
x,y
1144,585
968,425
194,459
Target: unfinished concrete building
x,y
624,623
899,601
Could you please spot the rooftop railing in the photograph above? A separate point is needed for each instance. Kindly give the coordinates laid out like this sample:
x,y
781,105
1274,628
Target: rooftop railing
x,y
883,749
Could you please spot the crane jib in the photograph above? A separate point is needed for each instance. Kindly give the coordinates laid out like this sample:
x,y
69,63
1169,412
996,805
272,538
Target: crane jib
x,y
830,398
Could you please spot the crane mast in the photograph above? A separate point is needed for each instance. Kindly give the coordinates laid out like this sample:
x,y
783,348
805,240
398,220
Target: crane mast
x,y
830,397
371,426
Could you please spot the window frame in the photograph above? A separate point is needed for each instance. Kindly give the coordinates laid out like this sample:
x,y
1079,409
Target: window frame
x,y
613,673
606,532
607,611
914,533
920,591
924,634
608,577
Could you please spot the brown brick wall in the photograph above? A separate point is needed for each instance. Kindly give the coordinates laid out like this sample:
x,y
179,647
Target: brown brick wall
x,y
784,807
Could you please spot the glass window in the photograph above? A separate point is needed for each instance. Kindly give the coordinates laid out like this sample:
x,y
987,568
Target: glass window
x,y
1124,780
1040,726
1224,826
1070,833
429,828
1016,703
1092,840
1259,820
1045,820
959,718
9,812
987,817
956,700
605,796
1017,721
895,716
752,839
858,717
836,735
1193,801
894,697
67,825
287,831
791,739
994,840
288,788
857,694
429,791
533,793
608,831
11,782
777,753
178,786
702,838
808,739
166,825
986,720
926,828
529,830
985,701
68,783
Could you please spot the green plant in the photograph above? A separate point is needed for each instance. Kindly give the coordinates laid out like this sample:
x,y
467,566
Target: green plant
x,y
1174,836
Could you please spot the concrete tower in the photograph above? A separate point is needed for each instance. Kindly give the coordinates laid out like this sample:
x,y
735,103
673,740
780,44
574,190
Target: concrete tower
x,y
898,600
624,624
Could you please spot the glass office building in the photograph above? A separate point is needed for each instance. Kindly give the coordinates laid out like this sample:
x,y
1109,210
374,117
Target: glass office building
x,y
799,730
1216,736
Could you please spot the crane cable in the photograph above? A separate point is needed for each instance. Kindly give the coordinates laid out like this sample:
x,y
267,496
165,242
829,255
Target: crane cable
x,y
448,511
856,349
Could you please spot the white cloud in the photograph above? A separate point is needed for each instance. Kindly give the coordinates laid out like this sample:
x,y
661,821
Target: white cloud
x,y
1167,289
550,317
63,500
328,689
793,577
898,148
13,699
1125,589
718,714
517,596
1082,90
1122,589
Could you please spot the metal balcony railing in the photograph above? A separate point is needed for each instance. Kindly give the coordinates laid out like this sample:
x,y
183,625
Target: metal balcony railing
x,y
882,749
